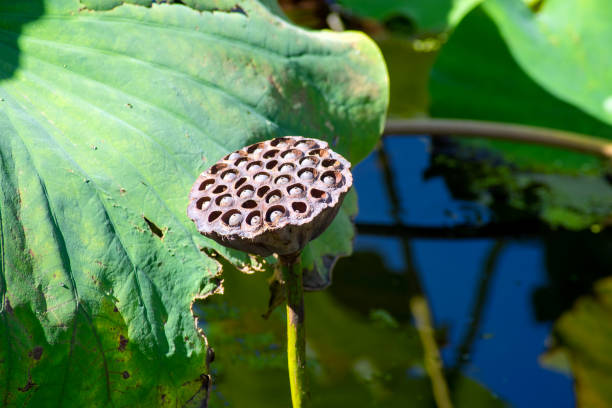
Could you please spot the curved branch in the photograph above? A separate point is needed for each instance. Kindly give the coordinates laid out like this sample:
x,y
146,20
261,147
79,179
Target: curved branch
x,y
502,131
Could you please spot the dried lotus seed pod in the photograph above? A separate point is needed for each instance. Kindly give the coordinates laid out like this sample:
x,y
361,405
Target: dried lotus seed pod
x,y
271,197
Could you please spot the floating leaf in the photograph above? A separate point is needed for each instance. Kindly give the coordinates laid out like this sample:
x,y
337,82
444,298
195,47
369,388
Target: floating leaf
x,y
584,334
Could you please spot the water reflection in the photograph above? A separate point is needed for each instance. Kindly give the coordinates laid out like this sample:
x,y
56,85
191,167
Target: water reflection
x,y
492,301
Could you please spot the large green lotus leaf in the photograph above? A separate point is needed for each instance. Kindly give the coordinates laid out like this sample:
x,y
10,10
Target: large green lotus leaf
x,y
428,15
564,46
109,111
493,87
584,335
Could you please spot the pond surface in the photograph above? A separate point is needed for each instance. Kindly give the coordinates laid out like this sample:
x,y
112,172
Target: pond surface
x,y
493,303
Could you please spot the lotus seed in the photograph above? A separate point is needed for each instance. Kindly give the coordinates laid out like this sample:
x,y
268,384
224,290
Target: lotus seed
x,y
286,167
206,205
229,176
234,156
329,180
257,151
255,220
307,175
295,191
281,145
235,219
282,180
254,167
290,156
241,163
275,215
225,201
246,193
274,198
260,178
308,162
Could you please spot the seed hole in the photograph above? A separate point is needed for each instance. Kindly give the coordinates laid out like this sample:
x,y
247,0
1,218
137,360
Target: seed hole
x,y
271,164
273,197
254,218
286,168
292,154
240,182
232,156
295,190
217,168
318,194
274,214
307,143
225,200
330,163
307,174
232,218
206,184
246,192
309,161
280,142
270,154
219,189
256,148
255,166
261,177
229,175
241,162
331,178
203,203
284,179
214,215
262,191
319,152
249,204
299,207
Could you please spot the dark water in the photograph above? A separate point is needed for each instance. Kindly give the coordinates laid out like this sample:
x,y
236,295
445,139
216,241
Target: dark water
x,y
490,300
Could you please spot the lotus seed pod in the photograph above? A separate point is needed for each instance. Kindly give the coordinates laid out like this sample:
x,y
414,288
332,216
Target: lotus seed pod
x,y
251,202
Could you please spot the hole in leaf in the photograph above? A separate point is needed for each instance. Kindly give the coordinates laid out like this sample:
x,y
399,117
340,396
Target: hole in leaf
x,y
154,228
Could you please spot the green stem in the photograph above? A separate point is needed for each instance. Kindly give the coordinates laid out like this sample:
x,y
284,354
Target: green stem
x,y
493,130
296,334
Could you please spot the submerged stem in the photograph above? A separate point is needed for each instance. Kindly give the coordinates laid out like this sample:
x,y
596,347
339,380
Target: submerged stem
x,y
296,334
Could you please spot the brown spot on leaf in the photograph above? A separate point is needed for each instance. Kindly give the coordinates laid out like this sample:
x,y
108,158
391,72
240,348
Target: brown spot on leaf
x,y
7,306
125,375
36,353
30,384
122,343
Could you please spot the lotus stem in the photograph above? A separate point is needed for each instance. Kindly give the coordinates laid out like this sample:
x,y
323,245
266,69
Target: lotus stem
x,y
296,333
596,146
